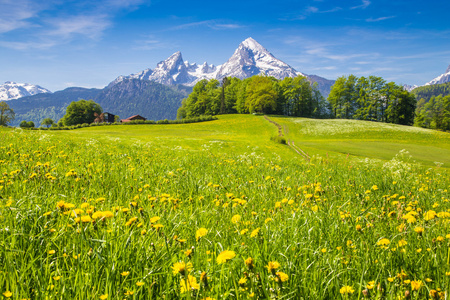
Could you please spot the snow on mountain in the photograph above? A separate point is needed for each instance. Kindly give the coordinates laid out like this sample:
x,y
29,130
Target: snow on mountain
x,y
443,78
249,59
409,88
12,90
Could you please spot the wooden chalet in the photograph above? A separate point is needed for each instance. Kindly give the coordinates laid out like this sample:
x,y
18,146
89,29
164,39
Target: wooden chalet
x,y
133,118
105,117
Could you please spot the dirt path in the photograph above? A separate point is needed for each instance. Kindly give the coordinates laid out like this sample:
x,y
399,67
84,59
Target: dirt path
x,y
289,142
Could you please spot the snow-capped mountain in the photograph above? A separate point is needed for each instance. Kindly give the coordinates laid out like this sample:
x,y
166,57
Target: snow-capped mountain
x,y
249,59
409,87
173,71
12,90
443,78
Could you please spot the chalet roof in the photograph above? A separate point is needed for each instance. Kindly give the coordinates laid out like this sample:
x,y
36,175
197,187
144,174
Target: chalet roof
x,y
133,118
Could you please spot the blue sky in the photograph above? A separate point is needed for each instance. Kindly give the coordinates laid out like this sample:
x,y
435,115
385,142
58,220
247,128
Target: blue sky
x,y
59,43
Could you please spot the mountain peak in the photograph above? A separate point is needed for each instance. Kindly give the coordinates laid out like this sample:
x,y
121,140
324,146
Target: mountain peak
x,y
250,58
443,78
13,90
251,43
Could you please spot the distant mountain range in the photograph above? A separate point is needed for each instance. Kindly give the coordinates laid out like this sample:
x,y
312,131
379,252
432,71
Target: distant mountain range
x,y
249,59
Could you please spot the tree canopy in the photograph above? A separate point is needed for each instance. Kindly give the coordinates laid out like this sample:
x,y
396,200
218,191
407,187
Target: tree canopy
x,y
257,94
47,122
6,114
79,112
433,114
373,99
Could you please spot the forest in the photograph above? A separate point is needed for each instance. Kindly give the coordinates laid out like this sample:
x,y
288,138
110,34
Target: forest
x,y
373,99
351,97
257,94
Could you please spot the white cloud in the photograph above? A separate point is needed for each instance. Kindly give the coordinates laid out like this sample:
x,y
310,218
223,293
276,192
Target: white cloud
x,y
14,14
364,5
379,19
89,26
213,24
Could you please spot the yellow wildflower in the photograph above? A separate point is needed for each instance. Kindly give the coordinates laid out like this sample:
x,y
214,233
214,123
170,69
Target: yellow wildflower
x,y
282,276
255,232
345,290
383,242
272,266
225,256
7,294
181,268
416,284
188,284
201,232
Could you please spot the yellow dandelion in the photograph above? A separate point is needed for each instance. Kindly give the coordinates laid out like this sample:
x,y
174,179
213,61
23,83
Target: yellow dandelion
x,y
383,242
201,232
243,281
272,266
236,219
154,219
225,256
429,215
103,297
345,290
419,230
416,284
255,232
125,273
188,284
249,263
402,243
181,268
283,277
370,285
7,294
140,283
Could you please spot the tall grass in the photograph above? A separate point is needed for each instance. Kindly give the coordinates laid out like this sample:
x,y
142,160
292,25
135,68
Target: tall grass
x,y
83,218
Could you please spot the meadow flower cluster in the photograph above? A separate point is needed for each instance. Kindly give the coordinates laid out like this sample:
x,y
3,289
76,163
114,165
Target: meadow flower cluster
x,y
120,221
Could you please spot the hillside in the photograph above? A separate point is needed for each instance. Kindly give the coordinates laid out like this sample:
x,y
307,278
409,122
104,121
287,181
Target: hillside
x,y
337,139
38,107
428,91
130,97
149,99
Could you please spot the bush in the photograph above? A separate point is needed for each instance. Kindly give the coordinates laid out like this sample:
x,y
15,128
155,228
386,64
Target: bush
x,y
279,139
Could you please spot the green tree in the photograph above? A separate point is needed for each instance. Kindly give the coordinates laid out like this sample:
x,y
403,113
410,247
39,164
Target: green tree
x,y
47,122
261,95
23,124
6,114
82,111
30,124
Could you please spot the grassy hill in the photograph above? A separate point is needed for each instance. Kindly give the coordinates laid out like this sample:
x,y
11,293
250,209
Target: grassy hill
x,y
218,210
325,138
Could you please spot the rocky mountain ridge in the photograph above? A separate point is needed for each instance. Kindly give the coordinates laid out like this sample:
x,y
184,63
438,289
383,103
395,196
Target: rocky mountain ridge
x,y
13,90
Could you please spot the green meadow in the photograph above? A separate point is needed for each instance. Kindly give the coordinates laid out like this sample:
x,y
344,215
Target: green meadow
x,y
219,210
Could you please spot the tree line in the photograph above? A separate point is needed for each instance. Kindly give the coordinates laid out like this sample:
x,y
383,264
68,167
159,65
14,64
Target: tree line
x,y
371,98
428,91
434,114
257,94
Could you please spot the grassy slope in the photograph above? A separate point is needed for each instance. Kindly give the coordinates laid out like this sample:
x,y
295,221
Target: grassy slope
x,y
248,133
367,139
231,133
